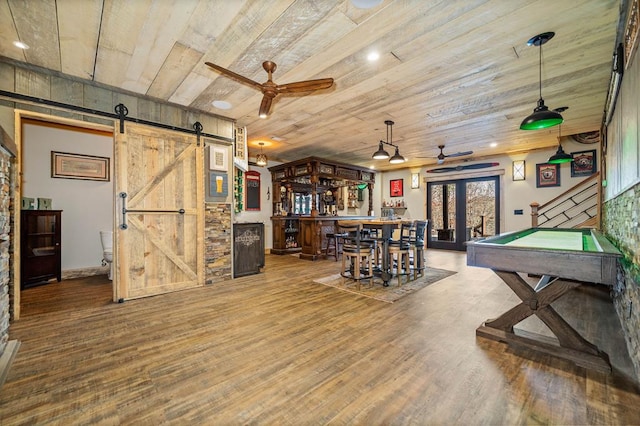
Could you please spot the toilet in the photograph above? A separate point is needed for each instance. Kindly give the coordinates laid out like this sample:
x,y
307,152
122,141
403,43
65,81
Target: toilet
x,y
106,238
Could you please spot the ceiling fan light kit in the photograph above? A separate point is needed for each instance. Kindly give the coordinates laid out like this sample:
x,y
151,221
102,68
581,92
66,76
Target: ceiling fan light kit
x,y
270,89
542,117
381,154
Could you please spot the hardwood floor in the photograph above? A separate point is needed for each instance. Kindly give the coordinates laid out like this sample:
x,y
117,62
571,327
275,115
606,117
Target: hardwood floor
x,y
276,348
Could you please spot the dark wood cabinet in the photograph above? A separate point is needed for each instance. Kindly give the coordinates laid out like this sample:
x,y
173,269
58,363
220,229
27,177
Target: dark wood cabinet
x,y
40,247
286,232
248,248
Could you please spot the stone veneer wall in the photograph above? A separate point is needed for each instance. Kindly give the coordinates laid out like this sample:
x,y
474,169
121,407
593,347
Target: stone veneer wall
x,y
217,243
6,206
621,224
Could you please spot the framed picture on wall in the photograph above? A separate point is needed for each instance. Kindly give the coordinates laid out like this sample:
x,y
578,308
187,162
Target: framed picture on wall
x,y
79,166
218,185
547,175
584,163
252,182
396,187
217,158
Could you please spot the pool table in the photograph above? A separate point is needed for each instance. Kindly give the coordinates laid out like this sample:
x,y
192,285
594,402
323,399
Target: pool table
x,y
564,259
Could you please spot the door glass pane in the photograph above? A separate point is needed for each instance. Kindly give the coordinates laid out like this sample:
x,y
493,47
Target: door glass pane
x,y
481,209
443,212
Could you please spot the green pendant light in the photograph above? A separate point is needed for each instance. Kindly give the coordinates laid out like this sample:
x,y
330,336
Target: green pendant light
x,y
541,118
560,156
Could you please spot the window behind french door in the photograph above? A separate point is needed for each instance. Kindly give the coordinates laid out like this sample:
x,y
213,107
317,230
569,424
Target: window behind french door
x,y
461,210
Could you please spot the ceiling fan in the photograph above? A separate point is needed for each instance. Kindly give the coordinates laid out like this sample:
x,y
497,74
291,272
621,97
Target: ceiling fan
x,y
271,89
442,155
463,167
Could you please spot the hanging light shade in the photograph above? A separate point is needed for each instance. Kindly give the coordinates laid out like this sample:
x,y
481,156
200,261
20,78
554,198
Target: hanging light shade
x,y
541,118
380,154
261,159
397,158
560,156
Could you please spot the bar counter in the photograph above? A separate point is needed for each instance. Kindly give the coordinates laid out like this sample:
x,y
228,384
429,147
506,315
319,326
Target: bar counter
x,y
305,234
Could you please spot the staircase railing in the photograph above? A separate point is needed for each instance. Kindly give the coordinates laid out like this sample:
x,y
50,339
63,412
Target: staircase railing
x,y
577,207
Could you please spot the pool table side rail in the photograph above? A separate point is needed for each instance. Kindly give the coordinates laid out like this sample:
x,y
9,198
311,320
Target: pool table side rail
x,y
595,267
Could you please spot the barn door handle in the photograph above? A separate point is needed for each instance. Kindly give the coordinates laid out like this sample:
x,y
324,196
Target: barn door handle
x,y
123,224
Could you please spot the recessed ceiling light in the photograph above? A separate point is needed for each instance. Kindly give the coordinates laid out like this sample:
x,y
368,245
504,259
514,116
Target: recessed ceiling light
x,y
373,56
20,45
365,4
221,104
493,144
277,138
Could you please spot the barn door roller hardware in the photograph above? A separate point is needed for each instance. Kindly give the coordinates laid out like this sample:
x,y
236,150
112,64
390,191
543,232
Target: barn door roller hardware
x,y
124,225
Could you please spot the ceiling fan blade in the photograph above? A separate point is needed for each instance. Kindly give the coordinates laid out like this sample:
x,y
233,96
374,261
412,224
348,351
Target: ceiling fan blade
x,y
305,86
235,76
459,154
265,105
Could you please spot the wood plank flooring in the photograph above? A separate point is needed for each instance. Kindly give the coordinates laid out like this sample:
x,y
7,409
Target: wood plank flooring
x,y
276,348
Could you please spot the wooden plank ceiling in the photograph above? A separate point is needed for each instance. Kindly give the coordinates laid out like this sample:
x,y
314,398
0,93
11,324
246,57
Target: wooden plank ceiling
x,y
452,72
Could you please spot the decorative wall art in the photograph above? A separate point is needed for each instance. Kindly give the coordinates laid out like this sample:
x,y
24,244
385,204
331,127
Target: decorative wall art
x,y
252,181
27,203
584,163
547,175
240,152
78,166
631,32
217,158
396,188
218,185
44,203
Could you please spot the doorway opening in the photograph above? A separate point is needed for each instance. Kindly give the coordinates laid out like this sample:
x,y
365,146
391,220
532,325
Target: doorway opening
x,y
462,210
83,202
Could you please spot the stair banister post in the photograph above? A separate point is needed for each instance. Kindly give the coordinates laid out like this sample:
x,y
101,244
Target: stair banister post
x,y
534,214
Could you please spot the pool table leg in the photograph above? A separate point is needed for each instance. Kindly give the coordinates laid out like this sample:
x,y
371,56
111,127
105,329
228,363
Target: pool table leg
x,y
573,346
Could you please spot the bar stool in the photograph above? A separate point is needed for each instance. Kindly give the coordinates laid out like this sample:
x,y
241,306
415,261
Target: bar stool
x,y
416,240
401,248
358,252
334,242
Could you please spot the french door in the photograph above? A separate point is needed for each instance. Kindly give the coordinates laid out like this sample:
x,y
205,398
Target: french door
x,y
461,210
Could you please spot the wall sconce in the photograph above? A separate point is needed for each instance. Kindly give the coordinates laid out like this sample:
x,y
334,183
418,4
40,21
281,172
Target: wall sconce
x,y
518,169
415,180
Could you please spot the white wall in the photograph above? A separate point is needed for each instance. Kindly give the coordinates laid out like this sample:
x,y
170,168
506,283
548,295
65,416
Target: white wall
x,y
87,205
264,214
517,195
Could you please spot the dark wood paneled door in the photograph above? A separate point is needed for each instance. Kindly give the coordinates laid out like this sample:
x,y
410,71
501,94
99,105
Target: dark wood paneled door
x,y
461,210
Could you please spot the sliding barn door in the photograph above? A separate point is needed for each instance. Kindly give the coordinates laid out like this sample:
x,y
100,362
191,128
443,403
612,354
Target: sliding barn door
x,y
160,212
